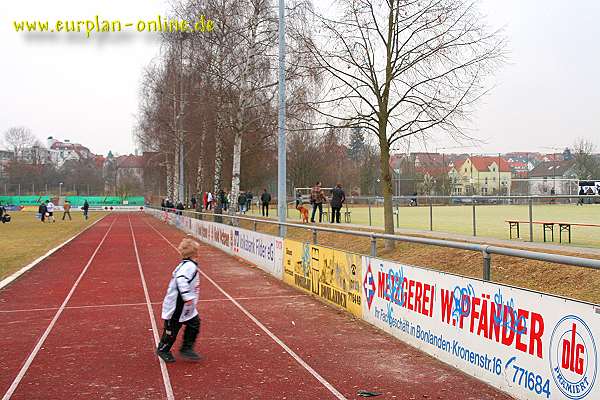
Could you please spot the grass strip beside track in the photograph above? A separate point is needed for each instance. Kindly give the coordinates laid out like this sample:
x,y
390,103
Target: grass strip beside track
x,y
25,238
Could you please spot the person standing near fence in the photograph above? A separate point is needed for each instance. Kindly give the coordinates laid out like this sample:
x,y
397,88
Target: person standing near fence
x,y
205,200
241,200
317,198
209,201
249,196
337,200
265,199
86,209
67,210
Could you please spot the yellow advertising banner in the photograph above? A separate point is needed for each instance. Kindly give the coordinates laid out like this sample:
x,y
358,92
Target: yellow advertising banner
x,y
332,275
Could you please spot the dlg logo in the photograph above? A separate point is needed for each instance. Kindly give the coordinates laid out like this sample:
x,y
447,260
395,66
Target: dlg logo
x,y
369,286
573,357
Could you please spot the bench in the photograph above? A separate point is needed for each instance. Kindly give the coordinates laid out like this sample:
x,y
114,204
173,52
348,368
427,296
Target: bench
x,y
547,226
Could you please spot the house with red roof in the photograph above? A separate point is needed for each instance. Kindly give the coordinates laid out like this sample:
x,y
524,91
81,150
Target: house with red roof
x,y
482,175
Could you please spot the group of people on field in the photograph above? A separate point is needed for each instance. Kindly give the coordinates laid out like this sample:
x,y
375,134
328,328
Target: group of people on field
x,y
47,208
220,202
318,198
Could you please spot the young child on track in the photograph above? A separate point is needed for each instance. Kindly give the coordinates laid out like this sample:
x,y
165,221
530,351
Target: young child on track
x,y
179,305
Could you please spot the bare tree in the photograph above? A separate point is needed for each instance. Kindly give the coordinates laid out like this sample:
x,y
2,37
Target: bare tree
x,y
18,139
399,68
587,164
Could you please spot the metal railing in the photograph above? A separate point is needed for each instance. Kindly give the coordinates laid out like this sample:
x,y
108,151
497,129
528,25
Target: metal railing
x,y
474,201
485,250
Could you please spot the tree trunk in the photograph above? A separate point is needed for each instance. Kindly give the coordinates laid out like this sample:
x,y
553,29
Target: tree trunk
x,y
218,164
386,183
235,177
170,177
199,170
176,175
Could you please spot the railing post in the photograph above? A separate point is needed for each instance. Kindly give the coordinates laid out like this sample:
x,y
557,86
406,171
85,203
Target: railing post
x,y
430,214
530,219
474,221
487,265
255,226
369,204
398,214
373,246
314,236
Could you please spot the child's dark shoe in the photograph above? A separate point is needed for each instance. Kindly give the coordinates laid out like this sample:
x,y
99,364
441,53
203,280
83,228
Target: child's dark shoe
x,y
167,356
190,355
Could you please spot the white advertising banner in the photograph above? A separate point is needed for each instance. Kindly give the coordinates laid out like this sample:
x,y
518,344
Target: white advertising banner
x,y
264,251
531,345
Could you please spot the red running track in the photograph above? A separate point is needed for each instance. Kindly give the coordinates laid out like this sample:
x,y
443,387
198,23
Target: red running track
x,y
80,325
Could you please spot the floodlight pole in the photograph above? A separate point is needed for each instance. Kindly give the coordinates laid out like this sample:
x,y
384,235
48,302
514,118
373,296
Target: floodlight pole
x,y
281,165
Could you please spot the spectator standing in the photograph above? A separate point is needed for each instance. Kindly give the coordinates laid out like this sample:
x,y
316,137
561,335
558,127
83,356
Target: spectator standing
x,y
265,199
209,201
163,204
180,208
249,197
193,202
337,200
42,210
317,198
50,208
67,210
581,193
205,200
225,200
242,202
86,209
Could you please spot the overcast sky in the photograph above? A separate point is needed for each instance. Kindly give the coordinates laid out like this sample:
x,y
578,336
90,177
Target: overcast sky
x,y
86,90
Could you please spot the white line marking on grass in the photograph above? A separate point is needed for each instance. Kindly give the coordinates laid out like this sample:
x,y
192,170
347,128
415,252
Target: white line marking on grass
x,y
295,356
40,342
9,279
163,366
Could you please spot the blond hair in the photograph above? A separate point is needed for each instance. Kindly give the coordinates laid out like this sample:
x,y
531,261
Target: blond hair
x,y
188,248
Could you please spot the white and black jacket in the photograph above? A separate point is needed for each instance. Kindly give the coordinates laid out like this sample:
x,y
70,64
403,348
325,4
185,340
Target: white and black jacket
x,y
184,286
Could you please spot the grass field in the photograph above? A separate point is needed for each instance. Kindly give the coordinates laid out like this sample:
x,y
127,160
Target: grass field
x,y
490,219
25,238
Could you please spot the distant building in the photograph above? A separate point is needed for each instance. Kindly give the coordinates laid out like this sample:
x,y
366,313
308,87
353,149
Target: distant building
x,y
128,170
6,157
523,156
130,167
60,152
520,169
481,175
36,155
557,175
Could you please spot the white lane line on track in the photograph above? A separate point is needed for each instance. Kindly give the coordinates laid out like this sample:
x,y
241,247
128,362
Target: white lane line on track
x,y
143,304
295,356
40,342
9,279
163,366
